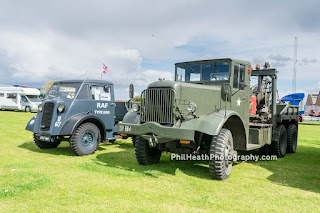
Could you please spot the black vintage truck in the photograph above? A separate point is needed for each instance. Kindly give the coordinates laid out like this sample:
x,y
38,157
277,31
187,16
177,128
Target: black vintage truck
x,y
83,112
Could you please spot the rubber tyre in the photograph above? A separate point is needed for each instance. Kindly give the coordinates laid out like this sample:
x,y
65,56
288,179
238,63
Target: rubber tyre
x,y
292,137
45,145
134,139
279,144
220,169
146,155
265,150
27,109
79,141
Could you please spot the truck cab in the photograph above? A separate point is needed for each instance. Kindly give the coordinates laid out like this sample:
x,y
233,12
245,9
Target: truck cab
x,y
79,111
206,111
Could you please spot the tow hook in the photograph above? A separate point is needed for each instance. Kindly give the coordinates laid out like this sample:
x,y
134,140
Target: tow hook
x,y
153,141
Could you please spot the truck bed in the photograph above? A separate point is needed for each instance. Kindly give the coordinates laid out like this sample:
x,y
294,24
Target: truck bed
x,y
287,113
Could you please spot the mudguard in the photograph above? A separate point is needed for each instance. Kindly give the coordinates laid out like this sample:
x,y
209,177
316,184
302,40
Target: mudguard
x,y
30,124
210,124
72,124
131,117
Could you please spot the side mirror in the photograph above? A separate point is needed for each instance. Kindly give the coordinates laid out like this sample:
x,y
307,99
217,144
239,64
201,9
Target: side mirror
x,y
226,91
106,89
131,91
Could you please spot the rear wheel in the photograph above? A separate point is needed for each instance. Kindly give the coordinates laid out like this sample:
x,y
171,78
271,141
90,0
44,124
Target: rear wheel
x,y
145,154
279,144
44,144
85,140
264,150
221,152
292,137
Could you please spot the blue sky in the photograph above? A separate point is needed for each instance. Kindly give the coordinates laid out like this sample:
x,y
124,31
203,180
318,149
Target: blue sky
x,y
141,40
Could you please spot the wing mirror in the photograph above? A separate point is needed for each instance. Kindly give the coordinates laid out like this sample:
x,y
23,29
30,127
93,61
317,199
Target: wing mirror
x,y
226,91
131,91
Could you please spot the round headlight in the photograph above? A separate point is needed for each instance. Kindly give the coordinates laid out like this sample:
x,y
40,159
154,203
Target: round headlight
x,y
40,108
61,108
192,107
136,107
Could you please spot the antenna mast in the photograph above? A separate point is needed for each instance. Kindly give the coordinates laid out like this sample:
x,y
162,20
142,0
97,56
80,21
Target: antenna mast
x,y
295,60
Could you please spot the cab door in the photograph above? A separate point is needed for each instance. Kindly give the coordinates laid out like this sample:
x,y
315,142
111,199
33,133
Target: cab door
x,y
24,102
103,104
241,92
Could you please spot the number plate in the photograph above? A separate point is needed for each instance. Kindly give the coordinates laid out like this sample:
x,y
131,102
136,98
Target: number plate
x,y
125,128
44,138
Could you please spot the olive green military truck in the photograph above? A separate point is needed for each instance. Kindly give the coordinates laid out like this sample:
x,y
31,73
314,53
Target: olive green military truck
x,y
210,109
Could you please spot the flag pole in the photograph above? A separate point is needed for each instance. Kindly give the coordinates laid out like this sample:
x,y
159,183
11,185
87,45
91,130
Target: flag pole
x,y
101,76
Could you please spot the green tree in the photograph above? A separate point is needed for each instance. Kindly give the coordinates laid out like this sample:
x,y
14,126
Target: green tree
x,y
136,99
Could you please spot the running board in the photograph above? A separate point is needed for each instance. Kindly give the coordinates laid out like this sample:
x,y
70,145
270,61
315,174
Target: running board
x,y
253,146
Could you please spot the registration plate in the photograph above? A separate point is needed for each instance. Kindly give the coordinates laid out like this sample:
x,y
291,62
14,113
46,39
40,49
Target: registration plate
x,y
44,138
125,128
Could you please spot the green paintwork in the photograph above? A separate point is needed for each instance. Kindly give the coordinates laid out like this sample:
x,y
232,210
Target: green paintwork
x,y
260,136
210,124
171,133
214,106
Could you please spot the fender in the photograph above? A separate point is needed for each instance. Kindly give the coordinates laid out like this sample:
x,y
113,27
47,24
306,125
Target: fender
x,y
74,122
131,117
30,124
210,124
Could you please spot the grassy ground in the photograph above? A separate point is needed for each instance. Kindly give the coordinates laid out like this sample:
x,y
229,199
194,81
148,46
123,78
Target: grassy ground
x,y
34,180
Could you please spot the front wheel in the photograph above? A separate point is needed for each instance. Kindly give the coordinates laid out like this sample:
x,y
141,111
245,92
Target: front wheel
x,y
44,144
221,154
85,140
134,138
145,154
27,109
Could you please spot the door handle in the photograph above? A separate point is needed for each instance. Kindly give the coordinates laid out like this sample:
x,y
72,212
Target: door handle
x,y
112,104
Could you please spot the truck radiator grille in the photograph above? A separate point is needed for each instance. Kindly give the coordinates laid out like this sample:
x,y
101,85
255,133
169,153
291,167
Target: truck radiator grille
x,y
157,105
47,115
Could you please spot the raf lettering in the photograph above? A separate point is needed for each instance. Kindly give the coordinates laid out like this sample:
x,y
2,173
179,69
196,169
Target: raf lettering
x,y
102,105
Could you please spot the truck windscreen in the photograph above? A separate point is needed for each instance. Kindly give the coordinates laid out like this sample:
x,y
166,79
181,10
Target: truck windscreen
x,y
219,71
64,90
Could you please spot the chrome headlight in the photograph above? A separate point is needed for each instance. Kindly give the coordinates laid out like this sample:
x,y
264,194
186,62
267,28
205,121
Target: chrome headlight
x,y
40,107
61,108
191,107
136,107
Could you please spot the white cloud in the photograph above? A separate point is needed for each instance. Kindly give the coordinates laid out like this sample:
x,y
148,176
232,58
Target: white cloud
x,y
45,40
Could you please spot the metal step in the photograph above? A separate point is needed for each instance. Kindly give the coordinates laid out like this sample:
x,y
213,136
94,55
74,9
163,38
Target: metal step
x,y
253,146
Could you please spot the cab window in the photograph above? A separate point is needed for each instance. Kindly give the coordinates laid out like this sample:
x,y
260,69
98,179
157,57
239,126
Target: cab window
x,y
84,92
239,76
24,99
101,93
236,76
189,72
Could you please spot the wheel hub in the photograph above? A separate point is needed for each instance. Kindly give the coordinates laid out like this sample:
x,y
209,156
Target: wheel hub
x,y
87,140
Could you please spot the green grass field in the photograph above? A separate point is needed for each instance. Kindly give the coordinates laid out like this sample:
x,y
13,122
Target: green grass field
x,y
34,180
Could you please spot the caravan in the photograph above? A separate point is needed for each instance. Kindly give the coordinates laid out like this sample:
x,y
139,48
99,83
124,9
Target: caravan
x,y
19,98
